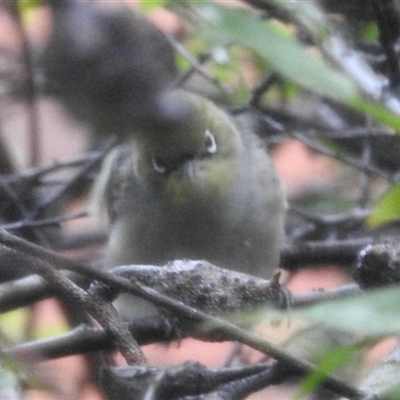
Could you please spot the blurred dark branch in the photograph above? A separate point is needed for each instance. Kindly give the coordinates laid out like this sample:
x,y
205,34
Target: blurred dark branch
x,y
176,382
84,170
351,161
339,252
24,292
387,22
215,328
319,296
327,228
215,325
84,339
354,217
196,66
36,173
27,196
43,222
366,179
14,198
258,92
30,82
81,240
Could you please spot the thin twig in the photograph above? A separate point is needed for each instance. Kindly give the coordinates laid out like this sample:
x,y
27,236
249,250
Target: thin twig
x,y
44,222
360,165
36,173
85,168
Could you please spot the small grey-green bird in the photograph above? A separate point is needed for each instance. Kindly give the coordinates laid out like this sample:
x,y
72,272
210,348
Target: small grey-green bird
x,y
197,187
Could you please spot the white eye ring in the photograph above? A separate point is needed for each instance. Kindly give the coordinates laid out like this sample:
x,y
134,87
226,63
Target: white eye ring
x,y
210,143
158,167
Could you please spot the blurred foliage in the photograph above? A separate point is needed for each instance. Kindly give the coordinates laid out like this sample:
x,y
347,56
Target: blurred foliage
x,y
333,361
25,6
281,50
149,6
274,45
375,313
387,208
14,323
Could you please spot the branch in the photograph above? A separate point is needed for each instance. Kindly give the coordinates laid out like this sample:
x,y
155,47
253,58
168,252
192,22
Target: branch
x,y
177,382
341,252
102,311
379,265
44,222
360,165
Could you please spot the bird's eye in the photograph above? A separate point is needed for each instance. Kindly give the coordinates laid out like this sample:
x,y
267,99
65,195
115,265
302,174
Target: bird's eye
x,y
210,143
158,165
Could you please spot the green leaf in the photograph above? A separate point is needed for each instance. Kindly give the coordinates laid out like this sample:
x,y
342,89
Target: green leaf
x,y
147,6
329,364
375,313
377,112
370,32
387,208
13,324
283,53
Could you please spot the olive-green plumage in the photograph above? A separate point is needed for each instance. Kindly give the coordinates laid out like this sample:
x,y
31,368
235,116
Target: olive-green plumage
x,y
197,188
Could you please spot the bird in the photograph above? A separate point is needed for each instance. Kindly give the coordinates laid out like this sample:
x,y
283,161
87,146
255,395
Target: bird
x,y
186,180
201,185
